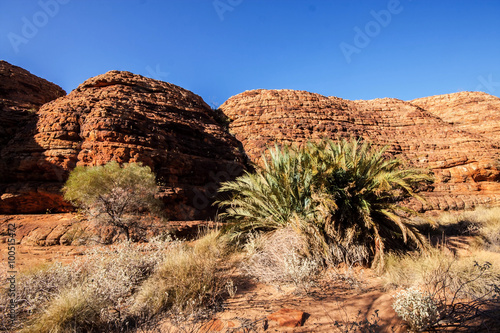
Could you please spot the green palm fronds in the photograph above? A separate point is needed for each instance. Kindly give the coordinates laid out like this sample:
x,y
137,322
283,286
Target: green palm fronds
x,y
347,192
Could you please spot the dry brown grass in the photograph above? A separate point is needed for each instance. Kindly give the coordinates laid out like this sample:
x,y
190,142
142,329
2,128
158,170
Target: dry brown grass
x,y
483,223
116,287
187,280
278,259
416,270
465,284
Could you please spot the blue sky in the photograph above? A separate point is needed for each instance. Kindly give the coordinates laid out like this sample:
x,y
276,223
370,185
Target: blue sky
x,y
218,48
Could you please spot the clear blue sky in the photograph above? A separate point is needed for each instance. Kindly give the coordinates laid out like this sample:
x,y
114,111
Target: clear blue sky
x,y
218,48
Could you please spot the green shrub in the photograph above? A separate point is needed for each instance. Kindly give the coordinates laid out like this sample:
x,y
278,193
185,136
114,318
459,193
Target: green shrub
x,y
112,194
268,199
338,194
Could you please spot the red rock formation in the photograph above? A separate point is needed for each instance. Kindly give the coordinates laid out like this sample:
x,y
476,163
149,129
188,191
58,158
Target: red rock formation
x,y
475,112
21,95
465,164
125,117
128,118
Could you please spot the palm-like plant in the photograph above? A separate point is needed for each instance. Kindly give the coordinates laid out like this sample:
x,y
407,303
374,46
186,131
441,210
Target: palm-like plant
x,y
343,194
368,189
268,199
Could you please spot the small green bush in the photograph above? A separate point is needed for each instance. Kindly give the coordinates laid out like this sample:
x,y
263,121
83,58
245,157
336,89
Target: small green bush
x,y
113,194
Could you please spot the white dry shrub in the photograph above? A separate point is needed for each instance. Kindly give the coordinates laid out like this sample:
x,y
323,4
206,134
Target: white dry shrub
x,y
113,272
104,276
36,287
416,308
278,259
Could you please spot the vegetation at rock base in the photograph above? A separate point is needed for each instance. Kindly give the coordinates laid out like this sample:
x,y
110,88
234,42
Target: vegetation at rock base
x,y
116,288
114,194
120,287
339,195
302,216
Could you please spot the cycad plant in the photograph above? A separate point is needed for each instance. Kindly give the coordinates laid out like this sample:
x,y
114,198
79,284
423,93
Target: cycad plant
x,y
340,195
269,198
368,188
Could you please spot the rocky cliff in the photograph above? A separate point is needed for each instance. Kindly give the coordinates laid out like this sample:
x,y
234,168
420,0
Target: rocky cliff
x,y
21,95
129,118
466,164
474,112
123,117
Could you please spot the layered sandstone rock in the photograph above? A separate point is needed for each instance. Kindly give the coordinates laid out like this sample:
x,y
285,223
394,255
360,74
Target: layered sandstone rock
x,y
465,164
475,112
119,116
21,96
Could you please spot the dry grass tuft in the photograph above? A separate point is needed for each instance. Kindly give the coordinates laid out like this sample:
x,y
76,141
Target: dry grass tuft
x,y
113,288
278,259
186,280
73,310
483,222
417,270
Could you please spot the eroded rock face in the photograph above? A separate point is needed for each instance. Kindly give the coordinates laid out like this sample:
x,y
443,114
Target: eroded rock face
x,y
21,96
475,112
119,116
466,164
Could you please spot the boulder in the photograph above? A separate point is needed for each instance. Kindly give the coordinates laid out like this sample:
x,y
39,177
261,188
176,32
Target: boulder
x,y
288,317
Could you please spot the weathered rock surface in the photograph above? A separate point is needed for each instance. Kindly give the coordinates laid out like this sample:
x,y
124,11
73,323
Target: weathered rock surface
x,y
475,112
72,229
288,317
129,118
21,96
119,116
466,164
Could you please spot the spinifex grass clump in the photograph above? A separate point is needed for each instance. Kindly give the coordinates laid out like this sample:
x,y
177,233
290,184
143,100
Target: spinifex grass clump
x,y
117,287
337,194
188,279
